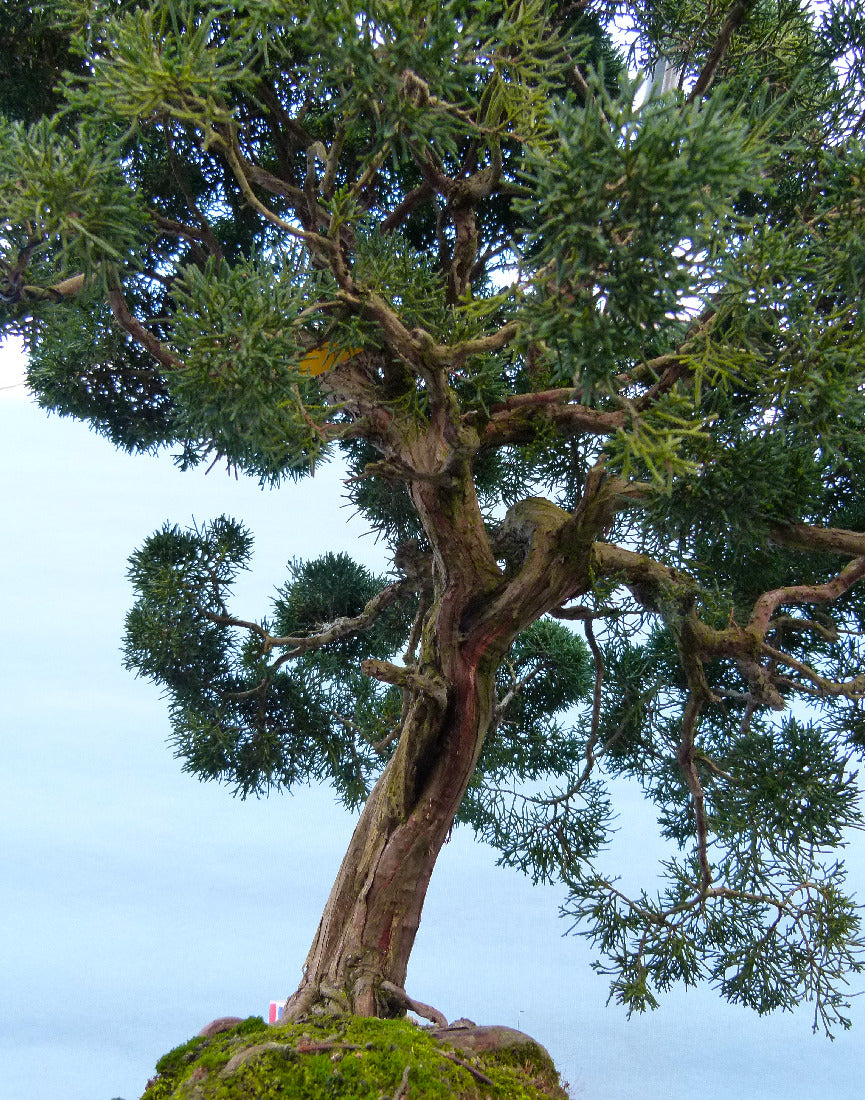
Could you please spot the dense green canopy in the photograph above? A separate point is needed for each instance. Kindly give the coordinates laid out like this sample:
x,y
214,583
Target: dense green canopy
x,y
594,356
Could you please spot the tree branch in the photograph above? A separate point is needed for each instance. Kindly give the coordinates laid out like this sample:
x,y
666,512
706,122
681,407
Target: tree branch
x,y
142,336
735,16
758,624
225,139
696,699
827,540
850,689
407,678
519,418
586,92
597,697
67,288
803,626
195,236
339,628
420,194
208,237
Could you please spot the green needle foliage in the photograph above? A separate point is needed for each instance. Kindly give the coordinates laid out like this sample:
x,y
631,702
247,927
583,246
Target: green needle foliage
x,y
594,356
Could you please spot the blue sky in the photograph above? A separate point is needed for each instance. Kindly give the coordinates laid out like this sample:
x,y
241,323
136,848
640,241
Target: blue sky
x,y
138,903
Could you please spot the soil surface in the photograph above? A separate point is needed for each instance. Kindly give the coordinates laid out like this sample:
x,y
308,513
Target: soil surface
x,y
353,1058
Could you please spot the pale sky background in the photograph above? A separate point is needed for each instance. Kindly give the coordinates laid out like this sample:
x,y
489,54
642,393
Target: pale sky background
x,y
138,903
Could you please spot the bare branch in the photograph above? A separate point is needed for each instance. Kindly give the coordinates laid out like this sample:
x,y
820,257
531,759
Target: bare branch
x,y
416,630
208,237
828,540
226,141
195,235
581,613
664,384
692,778
473,1070
67,288
296,645
735,16
407,678
850,689
599,689
124,317
509,696
804,593
802,626
521,417
420,194
586,92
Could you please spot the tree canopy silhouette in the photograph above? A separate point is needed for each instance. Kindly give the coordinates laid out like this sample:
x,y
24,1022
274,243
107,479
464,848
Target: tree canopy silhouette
x,y
594,358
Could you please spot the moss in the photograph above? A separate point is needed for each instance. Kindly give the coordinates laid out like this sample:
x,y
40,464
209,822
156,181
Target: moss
x,y
346,1058
531,1062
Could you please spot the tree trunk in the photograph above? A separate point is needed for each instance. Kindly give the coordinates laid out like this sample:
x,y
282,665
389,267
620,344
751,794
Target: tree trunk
x,y
369,924
371,919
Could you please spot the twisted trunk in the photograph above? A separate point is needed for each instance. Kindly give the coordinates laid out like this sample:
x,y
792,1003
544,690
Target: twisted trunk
x,y
371,919
359,957
369,924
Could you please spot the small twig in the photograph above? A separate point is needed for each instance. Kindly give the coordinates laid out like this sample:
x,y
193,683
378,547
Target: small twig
x,y
790,622
420,194
402,1087
317,1048
207,236
664,384
339,628
586,91
511,694
599,687
716,769
852,689
416,629
380,746
315,241
319,429
317,307
581,613
476,1073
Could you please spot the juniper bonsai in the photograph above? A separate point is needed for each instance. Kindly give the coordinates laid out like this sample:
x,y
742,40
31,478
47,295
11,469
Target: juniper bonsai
x,y
593,355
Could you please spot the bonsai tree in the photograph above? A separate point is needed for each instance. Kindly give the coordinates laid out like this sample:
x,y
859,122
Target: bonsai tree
x,y
593,354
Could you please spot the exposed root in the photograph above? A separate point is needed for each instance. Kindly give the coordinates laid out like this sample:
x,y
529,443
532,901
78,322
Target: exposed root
x,y
327,999
303,1047
418,1007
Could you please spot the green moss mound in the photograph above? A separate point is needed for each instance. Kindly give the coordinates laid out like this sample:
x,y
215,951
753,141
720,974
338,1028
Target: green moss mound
x,y
348,1058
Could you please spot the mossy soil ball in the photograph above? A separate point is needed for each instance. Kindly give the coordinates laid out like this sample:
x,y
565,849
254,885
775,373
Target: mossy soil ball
x,y
349,1058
